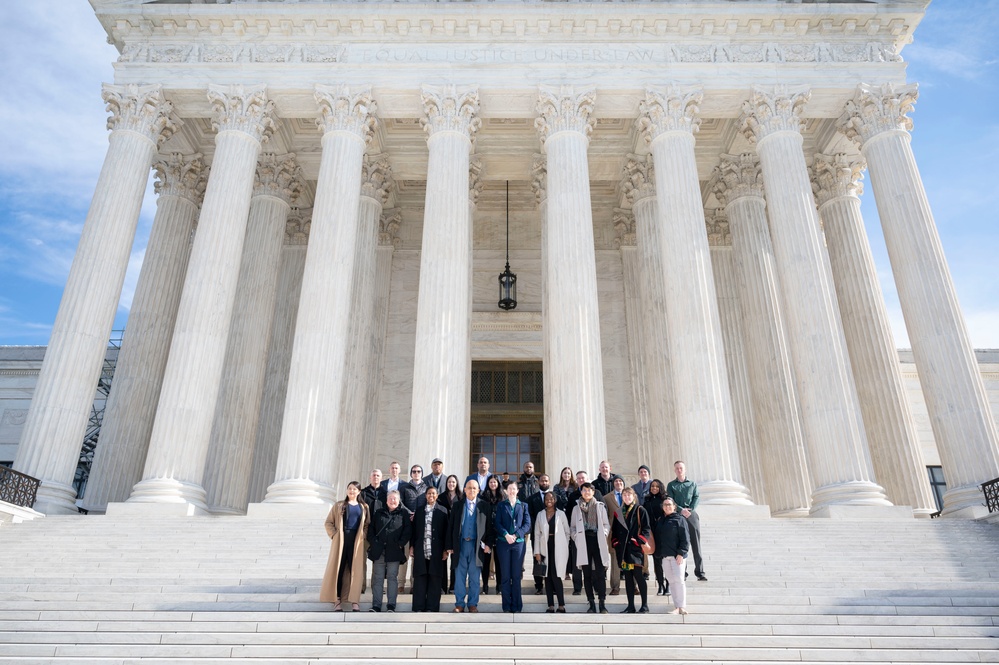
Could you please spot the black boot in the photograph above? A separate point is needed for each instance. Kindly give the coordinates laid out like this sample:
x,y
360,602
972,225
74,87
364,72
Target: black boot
x,y
603,608
592,609
629,610
644,609
662,590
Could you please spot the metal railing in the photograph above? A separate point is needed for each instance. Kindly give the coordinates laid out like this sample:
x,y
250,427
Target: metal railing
x,y
18,488
991,490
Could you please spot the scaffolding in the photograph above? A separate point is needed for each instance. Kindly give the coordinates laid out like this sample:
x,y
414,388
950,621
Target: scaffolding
x,y
93,432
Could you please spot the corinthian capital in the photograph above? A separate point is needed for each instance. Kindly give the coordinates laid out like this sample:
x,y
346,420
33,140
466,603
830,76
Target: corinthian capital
x,y
475,181
539,179
185,176
877,109
346,111
624,228
279,176
242,109
449,108
388,227
639,178
770,111
835,176
140,108
737,176
297,227
562,109
376,178
670,110
717,227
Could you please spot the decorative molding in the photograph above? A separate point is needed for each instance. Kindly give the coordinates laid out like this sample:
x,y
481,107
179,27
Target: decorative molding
x,y
376,178
142,109
563,109
297,227
836,176
184,176
624,228
716,223
878,109
242,109
15,417
475,181
773,110
279,176
639,180
345,111
539,179
736,177
388,228
673,109
450,108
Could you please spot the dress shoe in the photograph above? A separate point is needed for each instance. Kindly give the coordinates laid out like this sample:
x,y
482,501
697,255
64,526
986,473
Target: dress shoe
x,y
661,591
702,578
615,592
550,610
459,610
474,609
560,610
644,609
629,610
603,608
577,593
538,591
592,609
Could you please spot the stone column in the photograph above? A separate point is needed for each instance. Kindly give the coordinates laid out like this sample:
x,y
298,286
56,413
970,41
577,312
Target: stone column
x,y
309,454
53,432
179,441
704,422
135,391
738,185
837,449
230,456
634,308
441,375
539,185
891,432
965,432
289,289
375,185
575,391
640,188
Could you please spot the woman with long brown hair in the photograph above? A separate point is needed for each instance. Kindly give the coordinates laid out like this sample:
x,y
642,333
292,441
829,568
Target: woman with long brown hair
x,y
346,524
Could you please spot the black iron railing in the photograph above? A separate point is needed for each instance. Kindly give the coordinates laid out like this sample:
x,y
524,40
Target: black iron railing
x,y
18,488
991,490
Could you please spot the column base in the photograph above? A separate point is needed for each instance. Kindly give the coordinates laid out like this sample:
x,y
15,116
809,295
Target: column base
x,y
847,511
922,513
966,502
791,513
299,490
163,496
55,499
850,493
311,511
151,509
714,511
723,492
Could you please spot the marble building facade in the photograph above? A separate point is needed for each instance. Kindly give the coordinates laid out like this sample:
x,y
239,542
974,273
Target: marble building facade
x,y
694,275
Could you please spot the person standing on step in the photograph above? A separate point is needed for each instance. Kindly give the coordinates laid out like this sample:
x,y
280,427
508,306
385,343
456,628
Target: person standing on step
x,y
397,483
490,499
604,482
630,535
589,528
512,524
483,475
643,485
654,507
574,496
532,495
427,547
469,535
388,539
551,546
672,544
346,525
683,491
448,496
370,495
436,477
613,501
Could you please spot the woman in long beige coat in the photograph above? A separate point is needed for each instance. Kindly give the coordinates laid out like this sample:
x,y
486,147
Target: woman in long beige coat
x,y
347,526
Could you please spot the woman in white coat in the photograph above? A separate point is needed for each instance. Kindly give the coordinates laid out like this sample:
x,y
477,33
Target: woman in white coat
x,y
588,529
551,545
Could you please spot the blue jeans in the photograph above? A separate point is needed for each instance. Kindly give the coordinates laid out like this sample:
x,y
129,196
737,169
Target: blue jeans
x,y
511,561
466,576
382,571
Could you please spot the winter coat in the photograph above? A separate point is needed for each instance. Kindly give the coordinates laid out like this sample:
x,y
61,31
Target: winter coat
x,y
389,533
629,534
334,528
577,531
672,536
560,557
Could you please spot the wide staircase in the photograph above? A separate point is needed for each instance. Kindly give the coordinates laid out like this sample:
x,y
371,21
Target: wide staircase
x,y
245,590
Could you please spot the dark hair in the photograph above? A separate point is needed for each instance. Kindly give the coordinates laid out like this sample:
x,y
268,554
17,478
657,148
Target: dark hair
x,y
456,483
355,484
572,478
586,486
658,483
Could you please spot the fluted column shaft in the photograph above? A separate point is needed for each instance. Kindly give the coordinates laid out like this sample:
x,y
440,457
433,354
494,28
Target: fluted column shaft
x,y
738,184
704,420
891,432
53,432
178,445
441,372
383,282
572,323
230,455
131,407
837,449
309,454
958,406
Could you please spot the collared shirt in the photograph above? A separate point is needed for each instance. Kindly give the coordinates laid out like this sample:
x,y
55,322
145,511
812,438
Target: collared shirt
x,y
393,486
428,533
482,481
620,501
684,494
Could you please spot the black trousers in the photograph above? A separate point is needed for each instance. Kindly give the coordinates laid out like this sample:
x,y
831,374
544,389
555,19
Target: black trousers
x,y
594,573
553,583
632,578
577,574
426,592
694,522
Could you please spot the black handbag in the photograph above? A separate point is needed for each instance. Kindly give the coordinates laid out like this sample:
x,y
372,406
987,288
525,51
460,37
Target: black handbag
x,y
540,567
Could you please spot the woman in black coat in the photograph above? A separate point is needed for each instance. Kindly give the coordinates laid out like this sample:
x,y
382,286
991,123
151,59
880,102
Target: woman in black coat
x,y
491,497
450,494
672,544
653,505
428,571
628,539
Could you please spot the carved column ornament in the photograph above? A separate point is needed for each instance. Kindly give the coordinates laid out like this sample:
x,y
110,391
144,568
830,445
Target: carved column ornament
x,y
639,178
475,181
736,177
670,110
837,175
716,223
388,228
296,229
279,176
184,176
341,110
451,109
562,109
767,112
877,109
539,179
624,228
242,109
142,109
376,178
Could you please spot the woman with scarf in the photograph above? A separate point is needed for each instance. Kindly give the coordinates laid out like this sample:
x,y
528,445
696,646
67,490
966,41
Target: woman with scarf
x,y
588,529
630,534
512,523
346,525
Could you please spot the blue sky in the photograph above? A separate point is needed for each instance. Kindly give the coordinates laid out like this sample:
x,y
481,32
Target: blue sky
x,y
52,144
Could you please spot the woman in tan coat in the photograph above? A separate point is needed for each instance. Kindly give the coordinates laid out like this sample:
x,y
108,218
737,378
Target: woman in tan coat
x,y
346,525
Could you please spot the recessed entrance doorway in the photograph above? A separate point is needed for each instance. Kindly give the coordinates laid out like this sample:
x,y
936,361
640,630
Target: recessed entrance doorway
x,y
507,423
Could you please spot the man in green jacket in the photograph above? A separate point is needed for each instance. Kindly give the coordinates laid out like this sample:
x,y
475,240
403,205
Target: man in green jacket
x,y
685,496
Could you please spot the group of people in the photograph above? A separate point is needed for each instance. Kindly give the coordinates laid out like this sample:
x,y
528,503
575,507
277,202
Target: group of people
x,y
451,533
